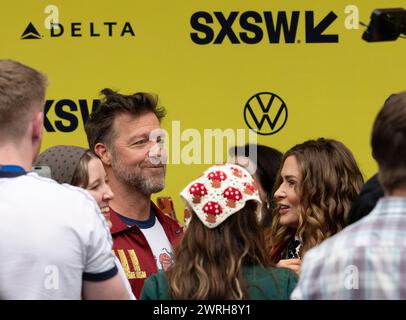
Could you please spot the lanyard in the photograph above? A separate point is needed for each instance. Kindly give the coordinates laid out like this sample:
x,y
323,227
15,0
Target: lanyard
x,y
11,171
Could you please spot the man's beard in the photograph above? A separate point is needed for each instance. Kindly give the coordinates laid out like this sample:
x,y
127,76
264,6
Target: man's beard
x,y
143,184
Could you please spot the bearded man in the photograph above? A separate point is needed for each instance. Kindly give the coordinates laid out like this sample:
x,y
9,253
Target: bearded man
x,y
125,132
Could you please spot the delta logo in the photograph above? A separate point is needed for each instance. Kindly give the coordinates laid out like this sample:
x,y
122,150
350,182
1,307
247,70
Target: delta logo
x,y
81,29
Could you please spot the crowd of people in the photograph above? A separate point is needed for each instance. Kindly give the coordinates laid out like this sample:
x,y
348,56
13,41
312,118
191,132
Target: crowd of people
x,y
267,225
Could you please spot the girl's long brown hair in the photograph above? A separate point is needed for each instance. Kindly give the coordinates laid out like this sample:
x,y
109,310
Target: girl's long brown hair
x,y
208,262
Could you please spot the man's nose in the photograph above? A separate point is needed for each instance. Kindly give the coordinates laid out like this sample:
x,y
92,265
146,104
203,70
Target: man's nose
x,y
157,154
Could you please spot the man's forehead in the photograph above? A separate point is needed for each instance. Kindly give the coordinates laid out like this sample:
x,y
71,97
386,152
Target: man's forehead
x,y
136,124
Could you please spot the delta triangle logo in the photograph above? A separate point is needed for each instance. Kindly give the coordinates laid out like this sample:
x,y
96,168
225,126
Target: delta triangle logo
x,y
30,33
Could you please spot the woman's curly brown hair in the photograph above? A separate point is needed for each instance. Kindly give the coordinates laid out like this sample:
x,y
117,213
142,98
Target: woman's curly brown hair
x,y
330,181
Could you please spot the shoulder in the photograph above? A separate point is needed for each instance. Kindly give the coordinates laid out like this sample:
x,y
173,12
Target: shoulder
x,y
286,277
43,183
271,273
46,196
53,188
336,251
283,273
269,283
156,287
371,231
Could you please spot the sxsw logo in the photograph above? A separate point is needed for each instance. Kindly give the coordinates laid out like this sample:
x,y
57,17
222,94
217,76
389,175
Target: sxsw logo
x,y
68,112
252,27
259,25
79,29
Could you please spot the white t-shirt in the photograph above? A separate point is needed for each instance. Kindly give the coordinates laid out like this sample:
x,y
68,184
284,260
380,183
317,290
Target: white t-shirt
x,y
52,237
124,278
159,244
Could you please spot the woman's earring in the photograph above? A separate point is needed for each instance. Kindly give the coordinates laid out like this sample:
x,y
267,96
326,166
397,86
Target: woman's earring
x,y
268,205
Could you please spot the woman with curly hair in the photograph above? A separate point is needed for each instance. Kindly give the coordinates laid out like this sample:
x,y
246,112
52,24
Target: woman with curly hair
x,y
222,255
315,187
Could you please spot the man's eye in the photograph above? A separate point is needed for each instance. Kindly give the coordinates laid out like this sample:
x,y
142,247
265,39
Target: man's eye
x,y
141,142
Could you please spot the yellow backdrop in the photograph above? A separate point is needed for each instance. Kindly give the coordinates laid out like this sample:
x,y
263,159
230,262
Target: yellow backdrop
x,y
331,89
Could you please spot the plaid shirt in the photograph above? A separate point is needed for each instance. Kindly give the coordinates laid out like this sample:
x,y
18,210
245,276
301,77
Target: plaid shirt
x,y
367,260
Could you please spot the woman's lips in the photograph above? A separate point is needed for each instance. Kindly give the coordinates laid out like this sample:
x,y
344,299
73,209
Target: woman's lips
x,y
106,212
283,209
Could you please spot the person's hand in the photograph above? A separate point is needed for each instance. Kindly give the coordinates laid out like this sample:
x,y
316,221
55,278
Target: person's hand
x,y
292,264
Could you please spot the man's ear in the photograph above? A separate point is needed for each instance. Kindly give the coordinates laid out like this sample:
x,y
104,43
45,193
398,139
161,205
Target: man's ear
x,y
37,126
103,153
